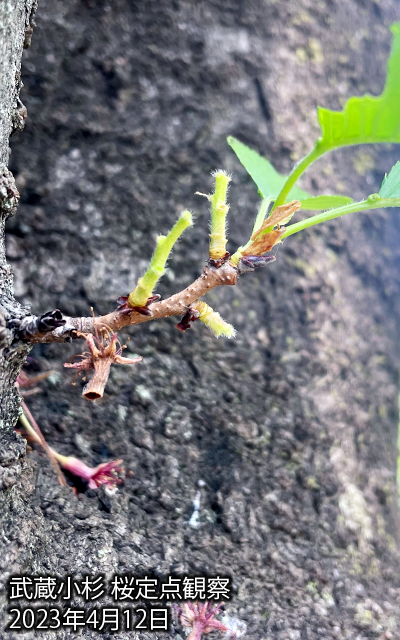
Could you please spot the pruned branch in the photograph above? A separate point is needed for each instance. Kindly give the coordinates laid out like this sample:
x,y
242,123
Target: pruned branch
x,y
226,271
175,305
33,327
141,305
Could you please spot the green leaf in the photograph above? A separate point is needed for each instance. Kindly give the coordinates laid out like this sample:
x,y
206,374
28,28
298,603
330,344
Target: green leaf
x,y
367,119
391,184
270,182
324,202
267,179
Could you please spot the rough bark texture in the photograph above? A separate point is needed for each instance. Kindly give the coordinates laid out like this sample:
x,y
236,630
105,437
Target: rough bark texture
x,y
15,21
292,426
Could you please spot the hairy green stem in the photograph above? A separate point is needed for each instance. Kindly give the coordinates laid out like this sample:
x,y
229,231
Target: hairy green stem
x,y
219,210
146,284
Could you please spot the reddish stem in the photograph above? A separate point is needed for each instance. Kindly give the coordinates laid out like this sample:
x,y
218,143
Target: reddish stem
x,y
45,446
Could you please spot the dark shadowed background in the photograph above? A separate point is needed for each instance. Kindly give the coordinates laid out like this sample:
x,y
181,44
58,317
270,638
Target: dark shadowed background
x,y
291,428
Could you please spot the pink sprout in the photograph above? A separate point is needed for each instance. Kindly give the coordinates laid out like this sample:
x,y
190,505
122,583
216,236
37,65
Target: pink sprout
x,y
200,617
108,473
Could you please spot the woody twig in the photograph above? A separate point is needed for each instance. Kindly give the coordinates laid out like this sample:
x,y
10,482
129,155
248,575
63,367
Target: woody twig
x,y
142,305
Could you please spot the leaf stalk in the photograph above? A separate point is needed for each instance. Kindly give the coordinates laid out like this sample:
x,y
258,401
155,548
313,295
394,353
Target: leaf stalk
x,y
372,202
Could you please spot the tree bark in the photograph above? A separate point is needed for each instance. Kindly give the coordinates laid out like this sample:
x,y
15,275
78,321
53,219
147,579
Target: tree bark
x,y
288,433
16,24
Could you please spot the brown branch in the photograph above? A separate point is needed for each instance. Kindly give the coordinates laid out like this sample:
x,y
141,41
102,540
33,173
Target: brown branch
x,y
175,305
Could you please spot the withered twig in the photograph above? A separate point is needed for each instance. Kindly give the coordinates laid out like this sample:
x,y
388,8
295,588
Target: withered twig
x,y
32,328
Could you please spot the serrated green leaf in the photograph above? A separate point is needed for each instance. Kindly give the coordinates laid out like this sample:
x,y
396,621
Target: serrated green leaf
x,y
391,183
324,202
366,119
267,179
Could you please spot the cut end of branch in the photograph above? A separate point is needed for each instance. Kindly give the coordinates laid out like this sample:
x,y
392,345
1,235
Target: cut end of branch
x,y
92,395
94,390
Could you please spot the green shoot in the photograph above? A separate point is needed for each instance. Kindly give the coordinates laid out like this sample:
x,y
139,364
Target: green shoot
x,y
261,215
372,202
363,120
389,196
213,320
147,283
270,182
219,210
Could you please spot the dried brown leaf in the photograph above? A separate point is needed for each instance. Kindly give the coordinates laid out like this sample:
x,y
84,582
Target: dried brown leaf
x,y
280,215
264,243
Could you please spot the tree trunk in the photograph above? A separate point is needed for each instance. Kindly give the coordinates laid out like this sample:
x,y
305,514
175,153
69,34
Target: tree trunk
x,y
16,24
286,434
